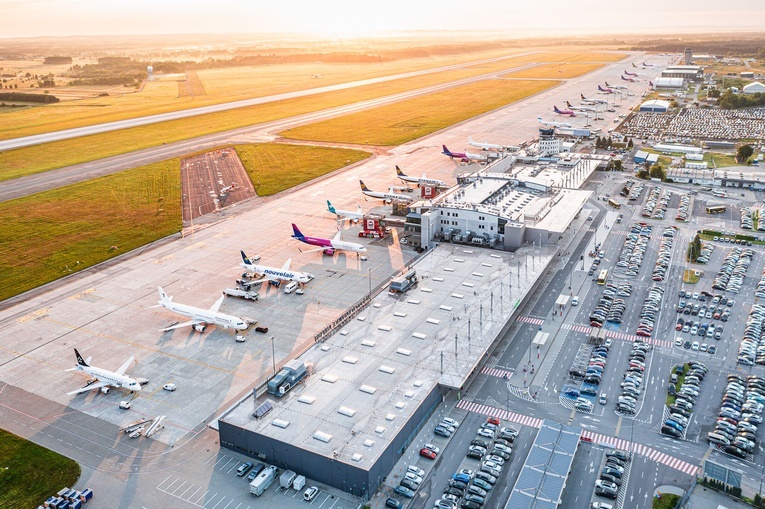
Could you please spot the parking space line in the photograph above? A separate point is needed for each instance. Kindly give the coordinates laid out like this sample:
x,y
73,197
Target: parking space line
x,y
229,461
163,482
200,498
219,501
194,492
179,487
187,489
210,500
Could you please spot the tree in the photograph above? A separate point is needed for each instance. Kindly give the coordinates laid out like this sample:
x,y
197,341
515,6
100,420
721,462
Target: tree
x,y
642,174
743,153
657,172
618,165
714,93
630,144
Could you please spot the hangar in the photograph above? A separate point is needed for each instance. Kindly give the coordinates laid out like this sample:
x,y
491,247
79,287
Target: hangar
x,y
754,88
655,106
668,83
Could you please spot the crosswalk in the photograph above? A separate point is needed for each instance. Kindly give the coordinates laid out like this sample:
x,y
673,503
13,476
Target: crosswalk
x,y
531,319
498,372
584,329
588,436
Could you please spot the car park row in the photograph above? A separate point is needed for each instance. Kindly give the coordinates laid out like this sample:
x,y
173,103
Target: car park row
x,y
650,311
678,414
665,254
611,306
684,209
657,202
707,248
633,250
752,348
730,277
631,386
747,219
759,292
740,415
610,479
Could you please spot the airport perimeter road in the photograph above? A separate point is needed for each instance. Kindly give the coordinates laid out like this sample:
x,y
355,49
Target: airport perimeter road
x,y
193,112
516,122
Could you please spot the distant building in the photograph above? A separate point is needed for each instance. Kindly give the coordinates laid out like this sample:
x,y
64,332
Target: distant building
x,y
693,73
753,88
668,83
688,56
747,75
655,106
640,156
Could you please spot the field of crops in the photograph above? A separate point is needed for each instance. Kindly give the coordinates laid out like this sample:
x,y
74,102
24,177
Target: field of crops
x,y
404,121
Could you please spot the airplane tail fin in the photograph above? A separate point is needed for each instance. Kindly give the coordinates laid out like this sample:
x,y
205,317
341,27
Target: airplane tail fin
x,y
582,96
363,186
330,207
568,104
446,150
607,84
163,298
296,233
80,360
650,83
399,172
245,259
555,109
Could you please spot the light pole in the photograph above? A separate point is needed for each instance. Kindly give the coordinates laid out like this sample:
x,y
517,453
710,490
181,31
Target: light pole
x,y
273,354
370,283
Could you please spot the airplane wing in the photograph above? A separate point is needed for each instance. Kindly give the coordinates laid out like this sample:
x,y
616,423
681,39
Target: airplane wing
x,y
89,388
215,307
286,265
124,367
322,248
184,324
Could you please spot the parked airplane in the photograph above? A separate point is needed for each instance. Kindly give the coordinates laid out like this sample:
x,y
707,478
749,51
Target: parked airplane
x,y
346,215
579,108
274,274
592,100
650,83
647,65
616,87
328,246
200,318
489,146
386,197
475,157
632,80
569,113
605,90
631,73
420,181
452,155
553,124
633,65
104,379
227,189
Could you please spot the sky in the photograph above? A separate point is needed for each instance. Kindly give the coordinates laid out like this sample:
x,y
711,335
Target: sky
x,y
32,18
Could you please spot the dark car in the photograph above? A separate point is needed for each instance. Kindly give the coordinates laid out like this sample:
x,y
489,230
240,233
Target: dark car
x,y
616,453
243,469
735,451
392,503
611,478
261,329
404,491
670,431
453,491
408,483
480,443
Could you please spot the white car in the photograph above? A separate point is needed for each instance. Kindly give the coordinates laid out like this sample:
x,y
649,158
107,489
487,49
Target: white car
x,y
124,405
432,448
416,470
413,477
310,493
486,433
452,422
169,387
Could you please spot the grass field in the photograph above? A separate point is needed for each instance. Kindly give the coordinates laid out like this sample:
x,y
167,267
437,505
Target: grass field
x,y
667,501
573,56
221,85
51,234
31,473
40,158
717,160
554,71
404,121
275,167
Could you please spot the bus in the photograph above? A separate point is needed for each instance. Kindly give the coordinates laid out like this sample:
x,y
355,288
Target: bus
x,y
715,209
615,204
603,277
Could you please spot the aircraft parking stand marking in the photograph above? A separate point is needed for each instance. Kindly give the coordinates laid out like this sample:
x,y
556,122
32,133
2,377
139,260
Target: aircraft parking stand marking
x,y
597,438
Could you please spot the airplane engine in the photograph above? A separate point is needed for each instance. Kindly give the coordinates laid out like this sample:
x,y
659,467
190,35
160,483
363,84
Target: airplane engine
x,y
105,390
200,327
329,252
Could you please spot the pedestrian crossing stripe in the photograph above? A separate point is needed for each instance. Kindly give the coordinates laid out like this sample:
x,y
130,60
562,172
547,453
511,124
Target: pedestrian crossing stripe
x,y
530,319
588,436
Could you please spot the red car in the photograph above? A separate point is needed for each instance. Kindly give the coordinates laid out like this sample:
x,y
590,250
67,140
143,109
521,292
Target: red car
x,y
427,453
494,420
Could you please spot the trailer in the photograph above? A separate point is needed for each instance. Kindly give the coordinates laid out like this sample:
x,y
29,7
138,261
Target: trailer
x,y
404,283
299,482
290,375
242,294
287,478
263,481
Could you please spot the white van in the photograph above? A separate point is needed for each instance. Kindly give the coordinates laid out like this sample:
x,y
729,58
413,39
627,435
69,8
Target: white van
x,y
291,287
575,300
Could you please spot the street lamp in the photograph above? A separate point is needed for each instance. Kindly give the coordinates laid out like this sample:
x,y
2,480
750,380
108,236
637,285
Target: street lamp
x,y
273,354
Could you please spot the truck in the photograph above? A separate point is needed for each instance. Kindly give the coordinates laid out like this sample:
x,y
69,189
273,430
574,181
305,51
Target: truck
x,y
286,479
290,375
242,294
263,481
404,283
299,482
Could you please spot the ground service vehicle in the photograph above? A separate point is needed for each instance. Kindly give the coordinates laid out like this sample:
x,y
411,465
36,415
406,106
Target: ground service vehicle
x,y
402,284
715,209
242,294
603,277
263,481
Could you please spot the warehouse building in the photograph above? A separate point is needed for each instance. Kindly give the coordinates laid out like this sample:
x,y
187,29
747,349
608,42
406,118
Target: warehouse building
x,y
668,83
754,88
694,73
655,106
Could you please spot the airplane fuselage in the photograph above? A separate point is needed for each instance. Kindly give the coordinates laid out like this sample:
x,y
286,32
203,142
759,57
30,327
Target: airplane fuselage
x,y
206,316
330,246
274,273
112,378
387,196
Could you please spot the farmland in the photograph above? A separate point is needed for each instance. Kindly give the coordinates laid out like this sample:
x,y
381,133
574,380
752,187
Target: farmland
x,y
404,121
554,71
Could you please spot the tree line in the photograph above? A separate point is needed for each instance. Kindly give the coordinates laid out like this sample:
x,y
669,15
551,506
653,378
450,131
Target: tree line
x,y
29,98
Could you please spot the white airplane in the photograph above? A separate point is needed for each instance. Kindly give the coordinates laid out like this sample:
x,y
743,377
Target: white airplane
x,y
274,274
224,191
475,157
591,100
386,197
616,87
580,108
200,318
346,215
104,379
420,181
489,146
553,124
328,246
